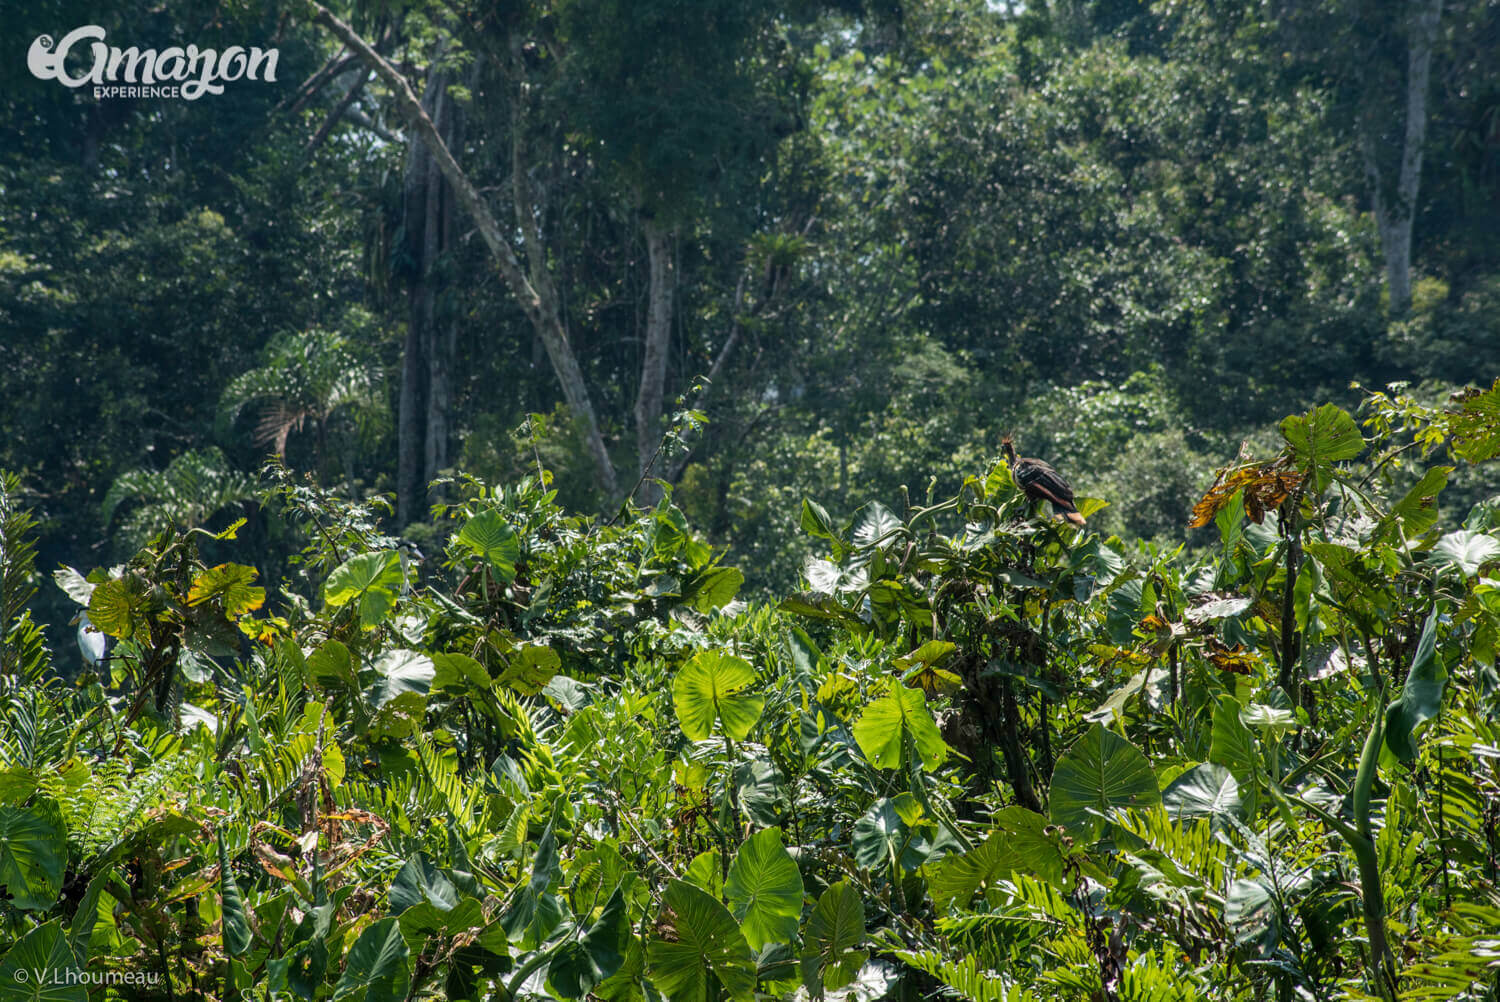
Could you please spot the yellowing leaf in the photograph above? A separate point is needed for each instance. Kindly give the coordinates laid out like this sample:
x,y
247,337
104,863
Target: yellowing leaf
x,y
232,583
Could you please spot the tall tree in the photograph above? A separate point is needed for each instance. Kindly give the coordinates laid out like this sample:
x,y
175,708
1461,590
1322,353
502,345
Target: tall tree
x,y
427,356
656,112
1392,142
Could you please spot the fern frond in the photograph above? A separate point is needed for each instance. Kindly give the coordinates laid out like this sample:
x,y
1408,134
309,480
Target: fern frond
x,y
966,977
21,649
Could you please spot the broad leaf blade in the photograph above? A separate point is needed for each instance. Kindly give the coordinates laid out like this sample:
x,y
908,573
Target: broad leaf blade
x,y
1100,774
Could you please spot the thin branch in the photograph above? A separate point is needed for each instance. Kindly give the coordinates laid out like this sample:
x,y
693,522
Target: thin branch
x,y
336,114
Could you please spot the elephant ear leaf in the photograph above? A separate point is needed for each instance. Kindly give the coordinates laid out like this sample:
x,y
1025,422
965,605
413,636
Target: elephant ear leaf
x,y
1421,697
1320,438
765,890
830,960
582,964
895,721
33,855
377,963
697,944
1100,774
489,537
27,966
711,687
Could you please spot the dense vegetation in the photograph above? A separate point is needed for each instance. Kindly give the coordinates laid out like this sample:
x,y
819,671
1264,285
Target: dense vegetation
x,y
511,508
982,753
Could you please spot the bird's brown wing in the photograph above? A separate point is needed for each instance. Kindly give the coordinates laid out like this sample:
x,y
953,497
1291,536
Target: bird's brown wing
x,y
1041,481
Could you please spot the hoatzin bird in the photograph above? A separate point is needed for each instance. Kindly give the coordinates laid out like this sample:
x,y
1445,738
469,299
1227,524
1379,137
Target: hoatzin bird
x,y
1041,482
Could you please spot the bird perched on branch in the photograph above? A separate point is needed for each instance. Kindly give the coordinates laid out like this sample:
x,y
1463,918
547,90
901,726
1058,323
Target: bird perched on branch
x,y
1041,482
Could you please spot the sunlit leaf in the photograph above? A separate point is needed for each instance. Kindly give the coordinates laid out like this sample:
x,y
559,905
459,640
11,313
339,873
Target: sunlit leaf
x,y
234,584
709,688
697,943
1100,774
765,890
489,537
892,719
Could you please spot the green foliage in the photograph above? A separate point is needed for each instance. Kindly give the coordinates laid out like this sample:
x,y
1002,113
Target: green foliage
x,y
980,746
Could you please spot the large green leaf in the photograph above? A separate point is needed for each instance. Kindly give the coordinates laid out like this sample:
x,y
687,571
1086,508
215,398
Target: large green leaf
x,y
33,855
1251,915
531,668
698,943
765,890
1421,697
35,969
530,904
377,964
398,672
233,584
714,588
331,666
889,721
1231,742
834,929
420,881
488,536
1320,438
236,918
711,687
1204,791
584,963
371,579
1021,842
1100,774
1465,550
816,522
1417,510
459,672
120,606
887,834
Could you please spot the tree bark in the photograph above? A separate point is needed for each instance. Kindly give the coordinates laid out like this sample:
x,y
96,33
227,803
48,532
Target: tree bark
x,y
1395,205
422,424
538,301
648,401
548,313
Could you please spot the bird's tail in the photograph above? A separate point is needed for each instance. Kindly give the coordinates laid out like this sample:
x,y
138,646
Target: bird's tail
x,y
1070,513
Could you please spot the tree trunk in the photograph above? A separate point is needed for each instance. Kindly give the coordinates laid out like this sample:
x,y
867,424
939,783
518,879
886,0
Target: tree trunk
x,y
535,291
648,401
422,425
547,314
1395,205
